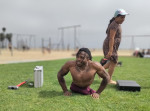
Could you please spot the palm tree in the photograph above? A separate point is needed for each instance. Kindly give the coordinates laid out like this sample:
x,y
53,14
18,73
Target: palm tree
x,y
2,36
3,29
9,37
2,39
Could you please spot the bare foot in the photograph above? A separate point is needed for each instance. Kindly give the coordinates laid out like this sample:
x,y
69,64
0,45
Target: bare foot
x,y
112,82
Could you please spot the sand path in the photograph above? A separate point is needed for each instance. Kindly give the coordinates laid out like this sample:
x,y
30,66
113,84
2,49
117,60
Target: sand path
x,y
37,55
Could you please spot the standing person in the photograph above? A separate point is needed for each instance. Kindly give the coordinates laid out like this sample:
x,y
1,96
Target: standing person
x,y
83,71
112,41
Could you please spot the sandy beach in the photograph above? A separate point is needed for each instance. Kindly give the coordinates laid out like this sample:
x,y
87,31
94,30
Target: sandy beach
x,y
37,55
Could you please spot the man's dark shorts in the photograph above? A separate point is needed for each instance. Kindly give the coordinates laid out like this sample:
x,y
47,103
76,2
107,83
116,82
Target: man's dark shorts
x,y
85,91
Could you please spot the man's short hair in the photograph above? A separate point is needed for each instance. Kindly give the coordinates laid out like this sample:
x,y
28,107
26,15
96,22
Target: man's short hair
x,y
86,50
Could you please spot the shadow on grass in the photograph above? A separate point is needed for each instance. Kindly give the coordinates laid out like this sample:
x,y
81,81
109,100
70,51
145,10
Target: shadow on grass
x,y
53,94
145,87
49,94
111,86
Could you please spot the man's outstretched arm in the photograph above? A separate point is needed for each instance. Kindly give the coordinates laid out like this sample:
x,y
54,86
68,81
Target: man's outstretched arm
x,y
105,79
105,76
60,76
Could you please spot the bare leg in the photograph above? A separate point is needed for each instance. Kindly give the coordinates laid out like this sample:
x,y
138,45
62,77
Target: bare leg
x,y
110,66
106,66
111,70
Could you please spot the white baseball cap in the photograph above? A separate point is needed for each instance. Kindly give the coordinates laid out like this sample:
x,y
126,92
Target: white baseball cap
x,y
121,12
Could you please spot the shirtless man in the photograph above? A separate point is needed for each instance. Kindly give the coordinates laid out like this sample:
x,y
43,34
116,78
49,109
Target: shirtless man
x,y
83,71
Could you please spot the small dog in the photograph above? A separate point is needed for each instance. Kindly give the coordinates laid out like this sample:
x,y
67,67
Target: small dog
x,y
119,64
103,61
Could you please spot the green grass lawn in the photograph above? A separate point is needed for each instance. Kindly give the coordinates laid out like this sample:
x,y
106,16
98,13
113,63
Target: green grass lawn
x,y
50,96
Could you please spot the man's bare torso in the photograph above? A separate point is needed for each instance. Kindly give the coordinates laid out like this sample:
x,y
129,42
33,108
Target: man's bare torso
x,y
82,77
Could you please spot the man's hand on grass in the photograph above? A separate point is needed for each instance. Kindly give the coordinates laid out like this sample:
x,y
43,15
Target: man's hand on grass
x,y
67,93
95,96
